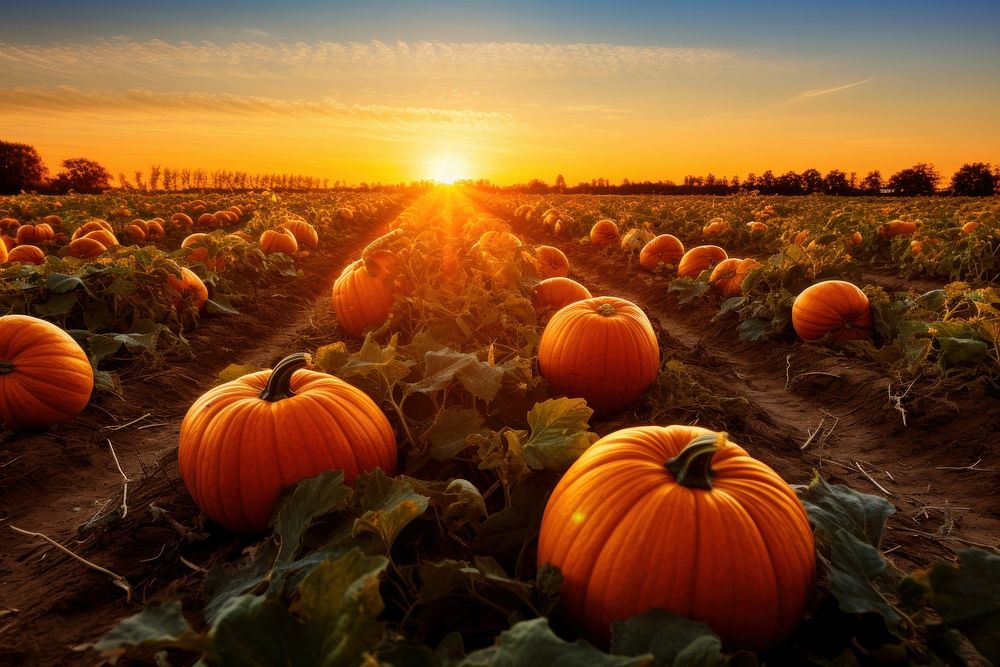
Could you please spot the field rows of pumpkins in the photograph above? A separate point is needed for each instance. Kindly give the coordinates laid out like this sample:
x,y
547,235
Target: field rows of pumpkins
x,y
447,479
810,267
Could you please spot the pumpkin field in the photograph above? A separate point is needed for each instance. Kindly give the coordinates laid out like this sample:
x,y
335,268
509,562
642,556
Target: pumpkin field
x,y
445,426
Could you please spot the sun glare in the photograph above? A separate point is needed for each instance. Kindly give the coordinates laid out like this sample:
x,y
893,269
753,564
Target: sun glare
x,y
447,169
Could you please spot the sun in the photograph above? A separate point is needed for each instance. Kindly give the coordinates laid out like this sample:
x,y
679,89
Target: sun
x,y
447,169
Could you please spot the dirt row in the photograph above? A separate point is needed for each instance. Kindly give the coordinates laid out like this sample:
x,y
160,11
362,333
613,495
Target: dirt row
x,y
65,483
803,407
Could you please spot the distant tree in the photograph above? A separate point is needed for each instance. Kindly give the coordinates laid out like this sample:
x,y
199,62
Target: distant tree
x,y
139,185
836,183
973,180
812,181
536,186
872,182
154,177
21,168
123,181
82,175
766,182
735,182
920,179
789,183
560,183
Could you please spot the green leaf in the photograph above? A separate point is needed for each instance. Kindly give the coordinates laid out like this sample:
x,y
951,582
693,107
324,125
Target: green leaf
x,y
391,505
560,433
153,629
505,533
332,622
688,289
755,328
531,643
58,283
447,436
854,568
832,507
967,596
331,358
441,367
57,304
671,639
962,351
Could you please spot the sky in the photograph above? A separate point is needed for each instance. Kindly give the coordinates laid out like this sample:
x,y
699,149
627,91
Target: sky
x,y
507,91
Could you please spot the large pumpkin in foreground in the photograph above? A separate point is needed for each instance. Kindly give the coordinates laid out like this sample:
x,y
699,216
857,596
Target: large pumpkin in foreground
x,y
832,307
603,350
244,441
677,518
361,296
45,377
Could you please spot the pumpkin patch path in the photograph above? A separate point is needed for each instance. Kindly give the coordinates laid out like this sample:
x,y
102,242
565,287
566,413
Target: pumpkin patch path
x,y
66,484
802,407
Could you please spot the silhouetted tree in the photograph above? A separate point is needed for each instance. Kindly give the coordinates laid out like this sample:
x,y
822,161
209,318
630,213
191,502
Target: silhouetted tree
x,y
154,177
789,183
560,183
835,183
812,181
973,180
21,168
920,179
871,184
139,185
82,175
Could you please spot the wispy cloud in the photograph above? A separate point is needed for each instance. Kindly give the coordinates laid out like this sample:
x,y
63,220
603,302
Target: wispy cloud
x,y
144,103
254,32
156,60
806,94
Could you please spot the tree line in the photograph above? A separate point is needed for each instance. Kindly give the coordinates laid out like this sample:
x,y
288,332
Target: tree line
x,y
976,179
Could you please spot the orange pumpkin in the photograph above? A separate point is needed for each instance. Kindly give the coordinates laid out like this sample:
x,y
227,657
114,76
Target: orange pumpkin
x,y
53,221
715,227
663,251
855,239
181,220
278,240
679,518
897,228
236,211
727,276
969,227
9,225
106,238
361,297
141,224
555,293
304,233
345,213
188,284
135,233
85,248
244,441
552,263
91,226
603,350
604,233
832,307
39,233
206,220
756,227
25,254
800,237
698,259
45,378
203,249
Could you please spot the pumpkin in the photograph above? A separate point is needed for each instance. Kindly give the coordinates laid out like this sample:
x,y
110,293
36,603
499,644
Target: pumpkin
x,y
635,239
897,228
106,238
563,229
728,275
39,233
85,248
698,259
345,214
679,518
223,218
188,284
244,441
9,225
278,240
603,350
550,218
25,254
833,306
969,227
663,251
604,233
91,226
552,263
855,239
798,238
304,233
555,293
361,297
3,251
141,224
135,233
181,220
203,249
206,220
714,227
45,378
237,211
53,221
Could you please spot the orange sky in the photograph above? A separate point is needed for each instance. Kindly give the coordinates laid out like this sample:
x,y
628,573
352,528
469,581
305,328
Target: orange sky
x,y
397,110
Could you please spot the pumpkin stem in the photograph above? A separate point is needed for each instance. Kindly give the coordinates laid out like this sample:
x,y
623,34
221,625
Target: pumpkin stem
x,y
693,466
6,367
606,309
278,385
